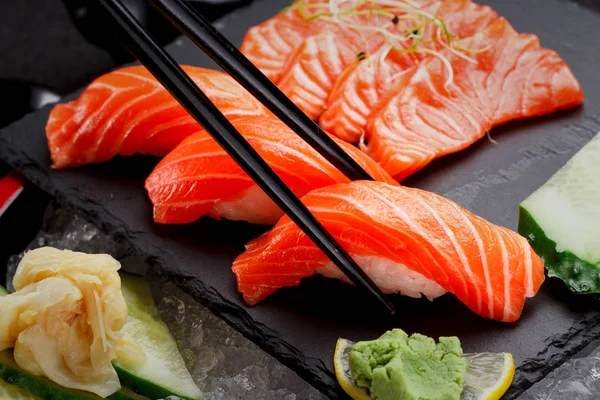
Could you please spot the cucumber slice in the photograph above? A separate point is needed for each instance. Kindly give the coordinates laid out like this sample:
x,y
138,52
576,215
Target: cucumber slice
x,y
561,220
44,388
10,392
164,373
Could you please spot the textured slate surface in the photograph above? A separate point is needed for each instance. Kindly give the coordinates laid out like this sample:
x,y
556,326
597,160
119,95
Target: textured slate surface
x,y
300,325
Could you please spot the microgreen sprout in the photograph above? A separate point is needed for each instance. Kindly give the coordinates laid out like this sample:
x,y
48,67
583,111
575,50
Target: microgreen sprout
x,y
404,27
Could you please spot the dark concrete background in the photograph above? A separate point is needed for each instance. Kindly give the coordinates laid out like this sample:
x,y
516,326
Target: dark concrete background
x,y
41,44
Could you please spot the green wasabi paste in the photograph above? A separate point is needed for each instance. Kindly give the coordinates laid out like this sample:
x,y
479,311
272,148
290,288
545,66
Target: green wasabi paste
x,y
399,367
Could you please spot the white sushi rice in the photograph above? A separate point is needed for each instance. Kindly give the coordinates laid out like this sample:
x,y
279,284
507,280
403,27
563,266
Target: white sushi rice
x,y
254,206
390,277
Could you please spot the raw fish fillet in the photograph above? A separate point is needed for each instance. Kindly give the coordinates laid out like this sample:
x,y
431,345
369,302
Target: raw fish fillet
x,y
198,177
408,241
128,111
422,117
311,72
362,85
269,44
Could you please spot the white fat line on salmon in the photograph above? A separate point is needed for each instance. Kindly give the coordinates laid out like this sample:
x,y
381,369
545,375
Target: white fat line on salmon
x,y
184,119
507,275
350,109
265,47
334,57
196,140
349,217
457,247
528,269
305,83
108,86
91,120
75,113
159,128
142,78
307,158
424,75
192,157
276,39
317,69
482,255
198,178
122,109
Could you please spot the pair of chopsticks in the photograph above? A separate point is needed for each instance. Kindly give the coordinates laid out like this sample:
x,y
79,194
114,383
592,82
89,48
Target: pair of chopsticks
x,y
184,90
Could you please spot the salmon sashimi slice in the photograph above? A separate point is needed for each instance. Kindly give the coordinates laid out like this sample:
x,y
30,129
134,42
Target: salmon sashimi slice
x,y
363,84
310,74
432,110
269,44
128,111
408,241
198,177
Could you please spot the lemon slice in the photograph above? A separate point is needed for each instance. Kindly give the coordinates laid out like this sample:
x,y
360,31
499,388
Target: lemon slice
x,y
10,392
488,375
341,365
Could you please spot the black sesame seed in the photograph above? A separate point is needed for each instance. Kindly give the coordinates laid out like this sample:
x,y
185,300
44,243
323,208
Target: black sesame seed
x,y
361,56
395,20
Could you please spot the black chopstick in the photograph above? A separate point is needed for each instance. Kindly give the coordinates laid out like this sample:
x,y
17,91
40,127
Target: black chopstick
x,y
217,47
181,86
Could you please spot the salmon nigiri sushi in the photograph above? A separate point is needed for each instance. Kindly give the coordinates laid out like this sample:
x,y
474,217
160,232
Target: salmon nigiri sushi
x,y
198,177
432,111
408,241
128,111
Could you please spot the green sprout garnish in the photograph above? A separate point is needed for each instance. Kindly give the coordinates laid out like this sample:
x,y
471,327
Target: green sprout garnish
x,y
402,24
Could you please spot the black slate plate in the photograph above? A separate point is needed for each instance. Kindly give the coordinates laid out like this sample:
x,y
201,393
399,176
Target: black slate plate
x,y
300,325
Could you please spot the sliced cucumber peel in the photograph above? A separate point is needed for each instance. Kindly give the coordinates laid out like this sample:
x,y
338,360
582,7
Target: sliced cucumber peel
x,y
44,388
581,276
561,220
10,392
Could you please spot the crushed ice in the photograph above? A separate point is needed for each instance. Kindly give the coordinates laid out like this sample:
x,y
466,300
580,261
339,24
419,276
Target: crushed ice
x,y
576,379
224,364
